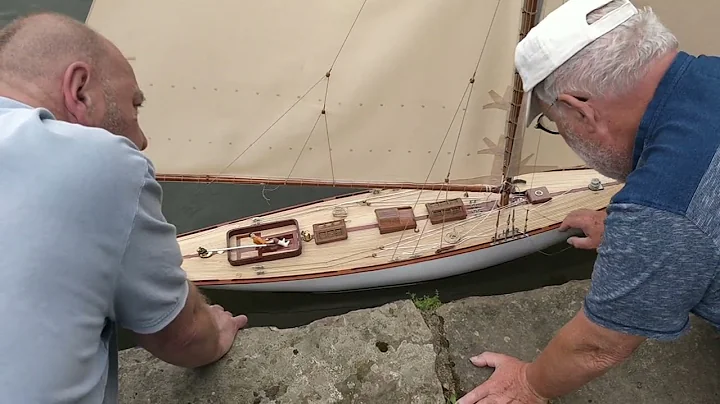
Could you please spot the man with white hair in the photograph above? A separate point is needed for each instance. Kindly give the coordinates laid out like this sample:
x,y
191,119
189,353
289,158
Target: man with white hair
x,y
639,110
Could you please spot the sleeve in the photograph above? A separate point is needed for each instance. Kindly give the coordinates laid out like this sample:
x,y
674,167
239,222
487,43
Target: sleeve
x,y
652,268
152,287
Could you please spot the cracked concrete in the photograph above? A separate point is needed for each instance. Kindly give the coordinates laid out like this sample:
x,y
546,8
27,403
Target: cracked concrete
x,y
521,324
395,353
359,357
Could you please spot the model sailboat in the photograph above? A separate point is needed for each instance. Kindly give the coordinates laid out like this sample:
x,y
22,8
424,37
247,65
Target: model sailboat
x,y
416,101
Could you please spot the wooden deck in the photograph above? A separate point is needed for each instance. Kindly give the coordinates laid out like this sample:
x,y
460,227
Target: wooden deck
x,y
366,247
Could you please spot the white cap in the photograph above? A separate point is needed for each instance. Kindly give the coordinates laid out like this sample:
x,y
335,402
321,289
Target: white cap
x,y
555,39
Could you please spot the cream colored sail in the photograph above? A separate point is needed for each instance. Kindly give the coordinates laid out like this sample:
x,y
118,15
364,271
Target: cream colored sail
x,y
237,88
539,151
694,23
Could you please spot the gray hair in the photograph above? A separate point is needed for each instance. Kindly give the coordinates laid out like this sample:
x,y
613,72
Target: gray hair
x,y
615,62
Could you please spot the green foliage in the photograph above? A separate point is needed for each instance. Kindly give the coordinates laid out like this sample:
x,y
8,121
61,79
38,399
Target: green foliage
x,y
426,303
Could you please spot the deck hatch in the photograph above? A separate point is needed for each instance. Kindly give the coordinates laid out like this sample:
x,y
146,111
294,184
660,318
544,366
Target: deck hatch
x,y
395,219
446,211
329,232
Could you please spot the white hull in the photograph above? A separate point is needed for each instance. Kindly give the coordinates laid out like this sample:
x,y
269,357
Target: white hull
x,y
413,273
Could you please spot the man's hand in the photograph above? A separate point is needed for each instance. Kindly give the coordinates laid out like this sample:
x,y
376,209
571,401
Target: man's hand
x,y
508,384
591,222
228,326
579,352
199,335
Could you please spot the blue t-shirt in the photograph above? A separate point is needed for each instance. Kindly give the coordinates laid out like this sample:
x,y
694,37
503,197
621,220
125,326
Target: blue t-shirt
x,y
85,249
660,255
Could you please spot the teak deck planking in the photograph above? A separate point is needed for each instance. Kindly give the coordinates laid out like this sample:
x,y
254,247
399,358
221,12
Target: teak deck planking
x,y
366,247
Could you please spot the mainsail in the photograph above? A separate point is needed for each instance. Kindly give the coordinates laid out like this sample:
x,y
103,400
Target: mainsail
x,y
371,92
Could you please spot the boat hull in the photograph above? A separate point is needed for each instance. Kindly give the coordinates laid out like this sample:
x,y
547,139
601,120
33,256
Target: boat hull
x,y
367,252
433,269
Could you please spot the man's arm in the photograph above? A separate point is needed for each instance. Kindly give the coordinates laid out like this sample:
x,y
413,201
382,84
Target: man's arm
x,y
651,270
580,352
153,298
199,335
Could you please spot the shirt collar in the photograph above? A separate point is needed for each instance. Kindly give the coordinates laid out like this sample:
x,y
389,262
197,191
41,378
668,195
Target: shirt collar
x,y
9,103
664,90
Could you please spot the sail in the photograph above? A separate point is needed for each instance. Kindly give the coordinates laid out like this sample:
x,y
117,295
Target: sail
x,y
353,91
538,151
693,23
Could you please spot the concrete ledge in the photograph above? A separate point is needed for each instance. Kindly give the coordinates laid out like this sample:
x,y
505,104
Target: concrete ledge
x,y
390,355
521,324
368,356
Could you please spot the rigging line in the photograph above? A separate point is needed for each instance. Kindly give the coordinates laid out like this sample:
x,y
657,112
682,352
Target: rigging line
x,y
291,107
327,87
497,7
302,97
307,139
485,216
422,232
273,124
469,220
303,148
532,177
480,219
327,129
348,35
481,215
427,178
537,154
472,82
442,228
460,223
199,185
327,132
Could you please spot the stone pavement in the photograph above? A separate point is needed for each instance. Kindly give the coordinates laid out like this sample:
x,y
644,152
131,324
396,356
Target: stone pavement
x,y
397,354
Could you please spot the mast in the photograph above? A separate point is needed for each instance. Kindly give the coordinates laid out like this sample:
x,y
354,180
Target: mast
x,y
529,18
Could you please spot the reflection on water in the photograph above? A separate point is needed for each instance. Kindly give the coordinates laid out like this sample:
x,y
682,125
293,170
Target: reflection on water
x,y
192,206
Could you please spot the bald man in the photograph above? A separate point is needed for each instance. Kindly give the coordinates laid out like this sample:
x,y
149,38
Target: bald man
x,y
87,248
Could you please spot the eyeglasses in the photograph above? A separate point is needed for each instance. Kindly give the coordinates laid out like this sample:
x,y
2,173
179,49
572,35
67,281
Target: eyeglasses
x,y
550,127
546,127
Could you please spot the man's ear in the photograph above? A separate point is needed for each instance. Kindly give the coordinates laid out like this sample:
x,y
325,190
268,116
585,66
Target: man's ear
x,y
581,110
77,98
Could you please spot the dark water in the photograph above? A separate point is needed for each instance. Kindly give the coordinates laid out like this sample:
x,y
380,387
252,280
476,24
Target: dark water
x,y
191,206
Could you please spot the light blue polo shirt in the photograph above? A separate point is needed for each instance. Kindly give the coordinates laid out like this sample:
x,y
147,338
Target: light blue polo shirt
x,y
85,247
660,256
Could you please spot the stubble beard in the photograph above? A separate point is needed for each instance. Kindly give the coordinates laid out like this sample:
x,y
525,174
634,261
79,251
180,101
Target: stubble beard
x,y
112,121
606,161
